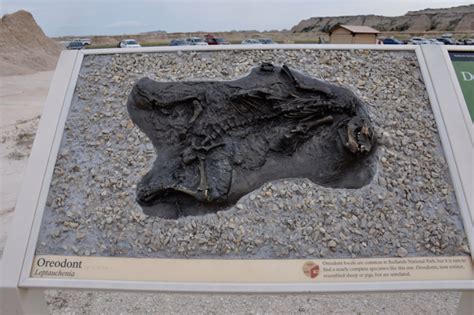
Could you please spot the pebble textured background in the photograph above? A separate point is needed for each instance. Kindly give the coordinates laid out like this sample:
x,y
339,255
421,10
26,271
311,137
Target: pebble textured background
x,y
408,210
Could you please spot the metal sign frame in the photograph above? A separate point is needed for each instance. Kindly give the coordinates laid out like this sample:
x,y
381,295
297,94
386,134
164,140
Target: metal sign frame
x,y
24,230
455,127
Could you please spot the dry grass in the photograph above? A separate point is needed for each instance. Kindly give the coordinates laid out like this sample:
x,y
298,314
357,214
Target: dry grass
x,y
15,155
25,138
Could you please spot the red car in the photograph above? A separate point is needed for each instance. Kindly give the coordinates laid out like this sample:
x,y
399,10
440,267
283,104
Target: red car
x,y
211,40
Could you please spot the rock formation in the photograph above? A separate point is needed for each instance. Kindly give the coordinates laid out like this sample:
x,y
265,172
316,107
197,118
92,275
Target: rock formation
x,y
24,48
459,19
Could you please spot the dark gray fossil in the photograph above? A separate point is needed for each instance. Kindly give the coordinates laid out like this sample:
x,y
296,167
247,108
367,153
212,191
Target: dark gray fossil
x,y
216,141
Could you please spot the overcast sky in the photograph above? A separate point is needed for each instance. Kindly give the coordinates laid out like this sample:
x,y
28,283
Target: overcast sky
x,y
115,17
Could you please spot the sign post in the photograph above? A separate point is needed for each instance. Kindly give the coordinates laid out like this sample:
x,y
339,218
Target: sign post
x,y
25,269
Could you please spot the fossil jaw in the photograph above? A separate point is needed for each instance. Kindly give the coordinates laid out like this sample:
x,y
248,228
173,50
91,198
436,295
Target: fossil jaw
x,y
360,137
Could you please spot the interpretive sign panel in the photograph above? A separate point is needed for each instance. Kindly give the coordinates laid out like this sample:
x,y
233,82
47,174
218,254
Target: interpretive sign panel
x,y
282,165
463,62
255,271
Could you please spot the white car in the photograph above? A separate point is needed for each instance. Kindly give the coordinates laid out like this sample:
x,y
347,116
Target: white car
x,y
251,41
435,42
419,41
129,43
86,41
196,41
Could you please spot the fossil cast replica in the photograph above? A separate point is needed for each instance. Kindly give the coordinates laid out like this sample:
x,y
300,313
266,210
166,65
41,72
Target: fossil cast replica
x,y
216,141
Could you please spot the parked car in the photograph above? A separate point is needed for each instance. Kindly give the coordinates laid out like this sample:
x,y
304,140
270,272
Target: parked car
x,y
129,43
446,41
196,41
75,45
178,42
468,41
250,41
266,41
419,41
434,41
86,41
392,41
212,40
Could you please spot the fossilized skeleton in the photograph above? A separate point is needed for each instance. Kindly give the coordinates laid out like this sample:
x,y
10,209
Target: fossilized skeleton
x,y
216,141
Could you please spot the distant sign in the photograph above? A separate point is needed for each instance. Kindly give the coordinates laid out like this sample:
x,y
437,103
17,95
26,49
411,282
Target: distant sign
x,y
463,63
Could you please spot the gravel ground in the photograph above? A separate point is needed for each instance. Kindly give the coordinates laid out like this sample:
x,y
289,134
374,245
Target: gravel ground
x,y
408,210
89,302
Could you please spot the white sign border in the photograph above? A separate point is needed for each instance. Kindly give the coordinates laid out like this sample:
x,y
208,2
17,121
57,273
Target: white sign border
x,y
454,126
24,232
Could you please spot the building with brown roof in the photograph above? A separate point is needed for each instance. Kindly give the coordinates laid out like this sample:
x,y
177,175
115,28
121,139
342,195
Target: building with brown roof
x,y
353,34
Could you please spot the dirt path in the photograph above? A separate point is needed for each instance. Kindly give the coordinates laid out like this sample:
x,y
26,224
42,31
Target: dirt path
x,y
21,102
22,96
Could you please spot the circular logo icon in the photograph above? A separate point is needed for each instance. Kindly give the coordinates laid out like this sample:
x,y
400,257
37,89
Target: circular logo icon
x,y
311,269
